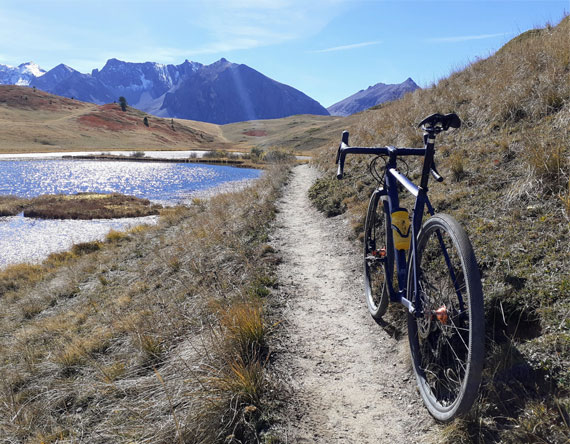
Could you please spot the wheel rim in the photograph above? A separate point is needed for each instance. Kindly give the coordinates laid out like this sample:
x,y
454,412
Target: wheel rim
x,y
442,334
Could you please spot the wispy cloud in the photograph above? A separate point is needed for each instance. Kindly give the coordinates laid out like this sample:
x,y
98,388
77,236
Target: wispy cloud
x,y
465,38
246,24
347,47
64,32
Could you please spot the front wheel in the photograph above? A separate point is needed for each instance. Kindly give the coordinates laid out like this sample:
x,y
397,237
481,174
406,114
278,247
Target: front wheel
x,y
447,335
378,256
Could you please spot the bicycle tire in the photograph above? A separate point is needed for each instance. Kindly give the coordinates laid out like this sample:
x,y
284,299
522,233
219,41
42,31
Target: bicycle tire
x,y
378,256
447,342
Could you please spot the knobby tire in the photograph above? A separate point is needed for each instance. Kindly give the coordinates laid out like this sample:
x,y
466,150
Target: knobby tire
x,y
447,339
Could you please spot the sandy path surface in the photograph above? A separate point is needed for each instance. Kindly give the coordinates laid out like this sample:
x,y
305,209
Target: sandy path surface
x,y
350,379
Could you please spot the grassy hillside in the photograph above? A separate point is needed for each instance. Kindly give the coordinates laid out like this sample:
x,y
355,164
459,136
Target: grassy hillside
x,y
32,120
35,121
301,133
508,182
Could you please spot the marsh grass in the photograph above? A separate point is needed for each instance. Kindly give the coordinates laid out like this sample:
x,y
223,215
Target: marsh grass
x,y
11,205
89,206
78,206
509,169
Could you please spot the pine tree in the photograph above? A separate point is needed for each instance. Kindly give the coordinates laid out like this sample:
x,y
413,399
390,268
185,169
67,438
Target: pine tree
x,y
123,103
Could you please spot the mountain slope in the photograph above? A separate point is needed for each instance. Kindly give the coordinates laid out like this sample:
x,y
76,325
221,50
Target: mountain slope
x,y
225,92
65,81
507,173
33,120
372,96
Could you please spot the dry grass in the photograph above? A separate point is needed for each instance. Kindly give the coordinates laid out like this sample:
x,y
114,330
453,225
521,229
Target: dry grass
x,y
32,120
83,206
88,206
155,335
11,205
509,167
35,121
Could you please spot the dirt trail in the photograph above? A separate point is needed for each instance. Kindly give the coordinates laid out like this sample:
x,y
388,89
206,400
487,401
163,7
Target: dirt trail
x,y
350,379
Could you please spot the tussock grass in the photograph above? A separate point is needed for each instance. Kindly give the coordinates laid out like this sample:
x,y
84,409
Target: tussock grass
x,y
508,172
89,206
78,206
11,205
156,335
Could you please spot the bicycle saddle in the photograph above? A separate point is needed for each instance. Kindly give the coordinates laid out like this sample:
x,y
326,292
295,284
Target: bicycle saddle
x,y
442,121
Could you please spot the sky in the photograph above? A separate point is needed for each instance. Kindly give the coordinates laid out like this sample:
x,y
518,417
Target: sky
x,y
328,49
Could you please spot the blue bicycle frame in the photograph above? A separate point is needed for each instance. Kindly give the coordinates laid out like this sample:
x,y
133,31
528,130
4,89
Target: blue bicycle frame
x,y
392,178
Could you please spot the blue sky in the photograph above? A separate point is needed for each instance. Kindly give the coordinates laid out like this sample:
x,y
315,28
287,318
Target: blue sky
x,y
329,49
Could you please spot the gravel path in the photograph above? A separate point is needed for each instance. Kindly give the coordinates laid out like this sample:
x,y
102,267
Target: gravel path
x,y
350,379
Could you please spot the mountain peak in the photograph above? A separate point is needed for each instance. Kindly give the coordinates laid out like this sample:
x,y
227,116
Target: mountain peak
x,y
372,96
22,75
221,63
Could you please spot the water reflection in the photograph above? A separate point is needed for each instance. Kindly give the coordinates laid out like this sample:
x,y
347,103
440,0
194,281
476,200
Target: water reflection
x,y
32,240
23,239
162,182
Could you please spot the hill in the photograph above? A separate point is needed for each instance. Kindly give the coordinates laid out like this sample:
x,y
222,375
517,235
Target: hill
x,y
507,176
33,120
372,96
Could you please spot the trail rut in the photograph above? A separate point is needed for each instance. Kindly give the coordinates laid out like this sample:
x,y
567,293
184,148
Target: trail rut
x,y
350,379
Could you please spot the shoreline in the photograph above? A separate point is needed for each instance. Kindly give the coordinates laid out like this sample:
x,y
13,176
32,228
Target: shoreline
x,y
228,162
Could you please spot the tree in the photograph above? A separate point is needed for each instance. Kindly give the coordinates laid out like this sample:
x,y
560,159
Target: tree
x,y
123,103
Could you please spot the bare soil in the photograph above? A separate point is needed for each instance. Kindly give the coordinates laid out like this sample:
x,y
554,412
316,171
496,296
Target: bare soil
x,y
349,379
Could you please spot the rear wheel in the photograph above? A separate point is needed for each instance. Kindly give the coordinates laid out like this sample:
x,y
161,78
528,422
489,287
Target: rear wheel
x,y
378,256
447,338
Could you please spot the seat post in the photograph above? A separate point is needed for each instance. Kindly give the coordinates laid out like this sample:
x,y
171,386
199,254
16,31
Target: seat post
x,y
429,143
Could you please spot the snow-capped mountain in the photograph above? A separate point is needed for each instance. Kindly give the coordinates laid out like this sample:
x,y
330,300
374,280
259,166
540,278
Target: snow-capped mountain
x,y
20,75
142,83
372,96
222,92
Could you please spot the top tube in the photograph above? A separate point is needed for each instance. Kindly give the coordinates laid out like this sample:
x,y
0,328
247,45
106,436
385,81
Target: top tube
x,y
383,151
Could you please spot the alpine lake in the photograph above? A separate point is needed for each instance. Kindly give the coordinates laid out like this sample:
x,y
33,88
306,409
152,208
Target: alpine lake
x,y
24,239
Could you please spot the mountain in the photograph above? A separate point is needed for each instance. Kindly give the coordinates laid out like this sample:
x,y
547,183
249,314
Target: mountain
x,y
65,81
222,92
372,96
20,75
142,83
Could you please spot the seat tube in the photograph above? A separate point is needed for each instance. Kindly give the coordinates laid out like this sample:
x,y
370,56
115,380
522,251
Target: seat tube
x,y
419,207
394,204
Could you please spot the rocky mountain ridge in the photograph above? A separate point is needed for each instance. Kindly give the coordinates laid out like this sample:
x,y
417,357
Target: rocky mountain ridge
x,y
221,93
372,96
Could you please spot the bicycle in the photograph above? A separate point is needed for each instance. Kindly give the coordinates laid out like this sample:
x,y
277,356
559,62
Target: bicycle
x,y
435,272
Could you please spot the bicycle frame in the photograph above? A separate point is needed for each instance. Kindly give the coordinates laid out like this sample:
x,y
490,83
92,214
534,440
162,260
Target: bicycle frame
x,y
390,198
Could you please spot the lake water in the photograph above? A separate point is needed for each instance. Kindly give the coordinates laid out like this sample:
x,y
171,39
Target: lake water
x,y
158,181
32,240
